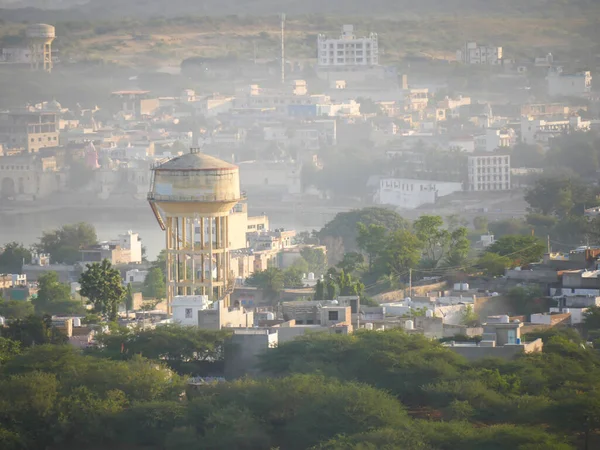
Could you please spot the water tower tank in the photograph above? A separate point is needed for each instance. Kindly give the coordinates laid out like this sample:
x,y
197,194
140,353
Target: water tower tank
x,y
192,197
196,183
76,322
369,326
40,37
41,31
409,325
428,313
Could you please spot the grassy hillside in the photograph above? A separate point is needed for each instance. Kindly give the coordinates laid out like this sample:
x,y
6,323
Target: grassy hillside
x,y
124,33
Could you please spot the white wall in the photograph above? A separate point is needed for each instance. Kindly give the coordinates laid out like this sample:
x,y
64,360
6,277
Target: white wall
x,y
186,307
410,194
135,276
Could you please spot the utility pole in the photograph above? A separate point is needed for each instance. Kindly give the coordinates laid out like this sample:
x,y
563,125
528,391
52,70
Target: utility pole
x,y
549,244
410,282
282,48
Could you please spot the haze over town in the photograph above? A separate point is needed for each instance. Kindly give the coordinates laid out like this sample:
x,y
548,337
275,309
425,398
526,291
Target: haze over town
x,y
300,225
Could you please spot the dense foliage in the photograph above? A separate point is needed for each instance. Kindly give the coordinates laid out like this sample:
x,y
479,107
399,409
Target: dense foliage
x,y
369,390
64,244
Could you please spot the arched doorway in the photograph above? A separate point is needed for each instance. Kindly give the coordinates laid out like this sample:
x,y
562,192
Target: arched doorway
x,y
7,188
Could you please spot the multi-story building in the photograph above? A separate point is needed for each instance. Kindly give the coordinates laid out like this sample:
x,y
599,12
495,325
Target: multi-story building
x,y
488,172
29,130
472,53
348,50
410,194
541,130
561,84
494,139
29,177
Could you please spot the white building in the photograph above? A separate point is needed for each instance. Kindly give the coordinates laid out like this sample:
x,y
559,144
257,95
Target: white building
x,y
410,194
186,307
541,131
16,55
494,139
472,53
348,50
135,276
561,84
488,172
131,241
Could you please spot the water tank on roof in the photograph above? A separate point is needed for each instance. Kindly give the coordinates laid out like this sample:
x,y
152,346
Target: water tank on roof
x,y
457,286
311,276
369,326
409,325
566,310
76,322
2,321
428,313
270,316
504,319
464,287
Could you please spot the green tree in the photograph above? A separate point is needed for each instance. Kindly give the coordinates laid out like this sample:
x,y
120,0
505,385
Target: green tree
x,y
316,259
493,264
8,349
292,277
64,244
559,195
345,225
33,330
128,299
320,290
271,281
469,317
12,258
154,284
429,230
403,252
372,240
351,262
591,319
54,297
15,309
458,248
480,223
527,155
347,285
520,249
186,350
578,413
102,285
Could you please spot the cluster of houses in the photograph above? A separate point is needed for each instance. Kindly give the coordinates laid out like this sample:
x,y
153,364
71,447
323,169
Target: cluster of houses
x,y
274,131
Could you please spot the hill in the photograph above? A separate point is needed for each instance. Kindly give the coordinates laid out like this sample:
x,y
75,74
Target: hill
x,y
398,9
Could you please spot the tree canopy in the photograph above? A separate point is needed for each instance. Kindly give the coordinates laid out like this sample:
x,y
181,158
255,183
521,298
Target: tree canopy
x,y
13,256
64,244
345,225
520,249
54,297
102,285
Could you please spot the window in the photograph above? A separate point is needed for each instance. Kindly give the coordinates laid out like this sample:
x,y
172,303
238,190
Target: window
x,y
188,313
333,315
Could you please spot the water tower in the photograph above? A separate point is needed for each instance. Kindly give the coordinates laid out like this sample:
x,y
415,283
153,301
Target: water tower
x,y
192,196
39,38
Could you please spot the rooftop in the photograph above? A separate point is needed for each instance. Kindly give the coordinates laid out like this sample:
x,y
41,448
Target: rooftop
x,y
196,161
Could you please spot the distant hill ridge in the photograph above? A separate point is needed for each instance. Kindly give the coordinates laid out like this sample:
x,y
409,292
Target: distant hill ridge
x,y
396,9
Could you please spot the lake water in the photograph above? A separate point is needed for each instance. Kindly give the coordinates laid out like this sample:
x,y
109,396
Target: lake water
x,y
27,227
